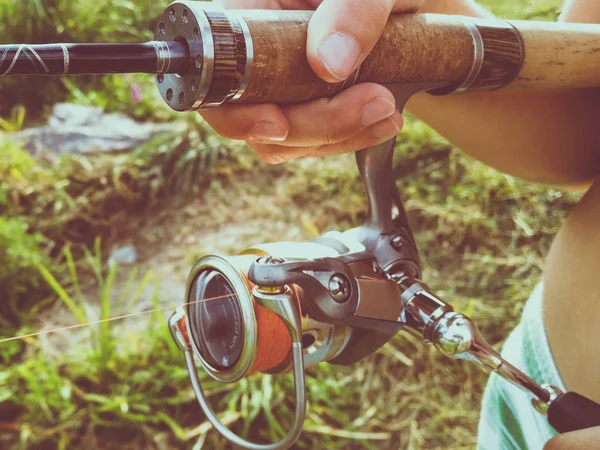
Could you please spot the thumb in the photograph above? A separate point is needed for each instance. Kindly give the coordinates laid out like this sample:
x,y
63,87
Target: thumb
x,y
342,33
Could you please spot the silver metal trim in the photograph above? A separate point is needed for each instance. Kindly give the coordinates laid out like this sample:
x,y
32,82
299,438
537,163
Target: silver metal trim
x,y
246,302
521,51
176,331
410,293
249,58
208,59
478,56
168,57
20,48
66,58
160,56
38,57
542,406
196,81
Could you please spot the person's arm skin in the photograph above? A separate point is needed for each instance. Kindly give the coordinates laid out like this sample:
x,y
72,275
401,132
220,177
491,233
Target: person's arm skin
x,y
544,136
561,126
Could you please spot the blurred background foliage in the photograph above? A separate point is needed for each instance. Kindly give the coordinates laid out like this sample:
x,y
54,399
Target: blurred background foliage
x,y
482,235
47,21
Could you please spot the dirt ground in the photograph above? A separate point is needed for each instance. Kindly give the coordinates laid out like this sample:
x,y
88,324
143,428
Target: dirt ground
x,y
226,219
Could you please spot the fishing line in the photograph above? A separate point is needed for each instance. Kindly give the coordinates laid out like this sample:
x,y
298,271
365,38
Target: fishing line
x,y
273,341
110,319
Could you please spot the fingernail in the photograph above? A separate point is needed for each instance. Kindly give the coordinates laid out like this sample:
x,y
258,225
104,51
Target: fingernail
x,y
377,110
387,129
340,54
266,132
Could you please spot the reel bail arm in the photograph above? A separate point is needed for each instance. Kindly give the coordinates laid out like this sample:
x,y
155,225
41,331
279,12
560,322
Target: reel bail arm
x,y
281,302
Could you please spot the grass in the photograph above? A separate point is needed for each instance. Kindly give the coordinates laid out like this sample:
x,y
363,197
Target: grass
x,y
122,384
76,199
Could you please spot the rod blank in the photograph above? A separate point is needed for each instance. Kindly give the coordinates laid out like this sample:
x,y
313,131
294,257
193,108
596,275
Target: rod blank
x,y
77,59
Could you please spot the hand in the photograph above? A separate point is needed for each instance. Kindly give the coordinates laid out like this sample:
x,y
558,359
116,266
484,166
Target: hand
x,y
340,36
588,439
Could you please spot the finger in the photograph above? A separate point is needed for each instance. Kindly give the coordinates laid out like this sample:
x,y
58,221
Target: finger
x,y
373,135
277,154
245,4
328,121
265,122
376,134
342,33
267,4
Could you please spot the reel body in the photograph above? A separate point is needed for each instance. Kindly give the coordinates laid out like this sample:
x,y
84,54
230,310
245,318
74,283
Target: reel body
x,y
233,335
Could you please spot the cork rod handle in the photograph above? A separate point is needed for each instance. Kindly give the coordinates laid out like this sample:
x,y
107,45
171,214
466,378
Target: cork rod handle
x,y
256,56
412,49
431,48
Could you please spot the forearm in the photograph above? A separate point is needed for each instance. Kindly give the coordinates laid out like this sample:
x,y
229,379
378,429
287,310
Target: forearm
x,y
544,136
547,137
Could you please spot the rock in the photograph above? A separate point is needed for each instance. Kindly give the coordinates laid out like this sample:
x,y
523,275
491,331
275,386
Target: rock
x,y
124,255
87,129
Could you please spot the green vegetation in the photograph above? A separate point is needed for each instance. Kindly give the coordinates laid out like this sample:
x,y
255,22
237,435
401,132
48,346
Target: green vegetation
x,y
123,383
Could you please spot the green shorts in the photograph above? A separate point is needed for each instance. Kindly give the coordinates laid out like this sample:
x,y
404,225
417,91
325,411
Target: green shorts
x,y
508,419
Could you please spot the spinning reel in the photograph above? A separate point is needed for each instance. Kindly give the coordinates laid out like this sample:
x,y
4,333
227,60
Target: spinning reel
x,y
336,299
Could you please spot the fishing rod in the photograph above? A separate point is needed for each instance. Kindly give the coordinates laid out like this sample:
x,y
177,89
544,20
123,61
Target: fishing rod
x,y
282,307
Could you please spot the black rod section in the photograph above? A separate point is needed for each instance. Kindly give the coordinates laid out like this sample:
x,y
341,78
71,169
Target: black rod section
x,y
77,59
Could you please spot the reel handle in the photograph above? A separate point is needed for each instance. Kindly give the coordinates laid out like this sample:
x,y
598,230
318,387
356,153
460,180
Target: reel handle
x,y
571,411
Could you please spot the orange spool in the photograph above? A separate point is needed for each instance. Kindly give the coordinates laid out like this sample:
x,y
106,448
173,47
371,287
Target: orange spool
x,y
274,343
